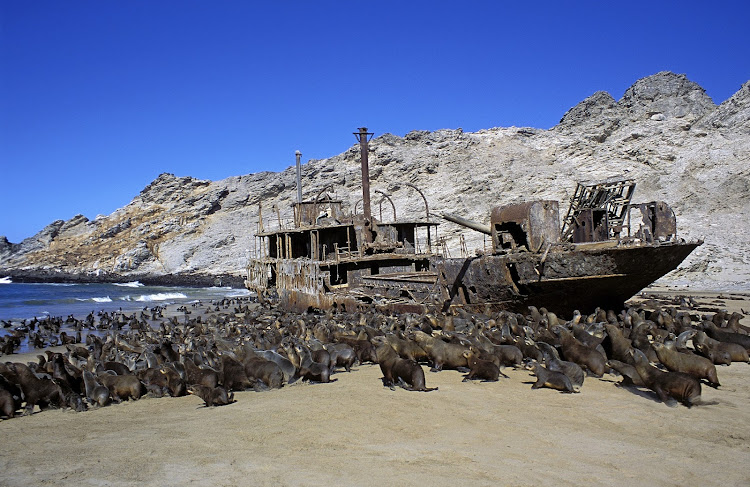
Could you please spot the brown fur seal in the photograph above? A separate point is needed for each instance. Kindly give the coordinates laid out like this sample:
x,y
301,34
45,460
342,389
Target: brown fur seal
x,y
364,350
616,344
682,387
440,353
265,371
695,365
342,355
7,404
508,355
122,387
96,394
550,379
234,377
716,356
396,370
10,395
309,369
572,370
726,336
407,349
198,375
630,376
212,396
481,369
36,392
575,351
736,352
286,366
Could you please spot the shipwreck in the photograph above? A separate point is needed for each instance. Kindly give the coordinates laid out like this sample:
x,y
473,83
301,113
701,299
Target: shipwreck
x,y
602,252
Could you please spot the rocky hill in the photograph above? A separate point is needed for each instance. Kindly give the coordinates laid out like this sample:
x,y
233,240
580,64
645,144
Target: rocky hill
x,y
665,132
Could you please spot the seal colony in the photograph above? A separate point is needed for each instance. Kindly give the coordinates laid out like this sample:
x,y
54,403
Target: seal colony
x,y
238,345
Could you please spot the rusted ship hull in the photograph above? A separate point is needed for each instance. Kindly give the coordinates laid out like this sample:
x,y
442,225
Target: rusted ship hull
x,y
580,279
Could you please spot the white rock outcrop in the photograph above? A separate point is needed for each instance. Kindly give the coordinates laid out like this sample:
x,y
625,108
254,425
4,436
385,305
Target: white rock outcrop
x,y
665,133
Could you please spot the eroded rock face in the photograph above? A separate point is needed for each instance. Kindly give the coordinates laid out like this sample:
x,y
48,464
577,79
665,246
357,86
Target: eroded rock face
x,y
665,132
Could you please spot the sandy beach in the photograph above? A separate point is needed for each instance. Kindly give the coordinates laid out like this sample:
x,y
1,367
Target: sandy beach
x,y
354,431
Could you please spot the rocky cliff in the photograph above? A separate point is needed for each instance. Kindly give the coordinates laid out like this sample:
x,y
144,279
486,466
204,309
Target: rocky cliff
x,y
665,132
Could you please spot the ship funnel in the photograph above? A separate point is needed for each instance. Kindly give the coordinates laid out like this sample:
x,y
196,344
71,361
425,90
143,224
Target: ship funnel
x,y
363,136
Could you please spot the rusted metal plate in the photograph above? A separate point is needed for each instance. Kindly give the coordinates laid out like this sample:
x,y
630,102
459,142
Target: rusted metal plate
x,y
532,224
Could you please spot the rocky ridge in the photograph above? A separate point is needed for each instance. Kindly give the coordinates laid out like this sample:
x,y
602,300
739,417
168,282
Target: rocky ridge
x,y
665,133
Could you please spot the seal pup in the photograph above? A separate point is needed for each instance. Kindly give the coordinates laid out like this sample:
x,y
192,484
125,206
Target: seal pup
x,y
677,385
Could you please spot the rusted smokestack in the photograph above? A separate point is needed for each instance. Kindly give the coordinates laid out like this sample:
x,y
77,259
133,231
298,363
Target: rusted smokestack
x,y
363,136
299,176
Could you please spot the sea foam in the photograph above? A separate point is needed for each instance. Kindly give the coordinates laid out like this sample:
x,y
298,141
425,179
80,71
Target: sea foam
x,y
160,296
128,284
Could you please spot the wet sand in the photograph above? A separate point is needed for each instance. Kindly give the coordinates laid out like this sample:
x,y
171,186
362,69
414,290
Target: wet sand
x,y
356,432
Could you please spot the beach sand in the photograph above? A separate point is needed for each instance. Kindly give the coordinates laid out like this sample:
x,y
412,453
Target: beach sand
x,y
354,431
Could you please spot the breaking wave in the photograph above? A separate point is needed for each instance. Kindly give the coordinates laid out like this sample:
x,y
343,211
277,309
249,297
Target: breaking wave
x,y
160,296
128,284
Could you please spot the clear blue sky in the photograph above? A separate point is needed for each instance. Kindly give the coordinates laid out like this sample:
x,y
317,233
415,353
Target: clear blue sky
x,y
97,98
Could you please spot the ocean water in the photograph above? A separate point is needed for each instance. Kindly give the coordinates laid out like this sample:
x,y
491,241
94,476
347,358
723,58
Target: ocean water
x,y
23,301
